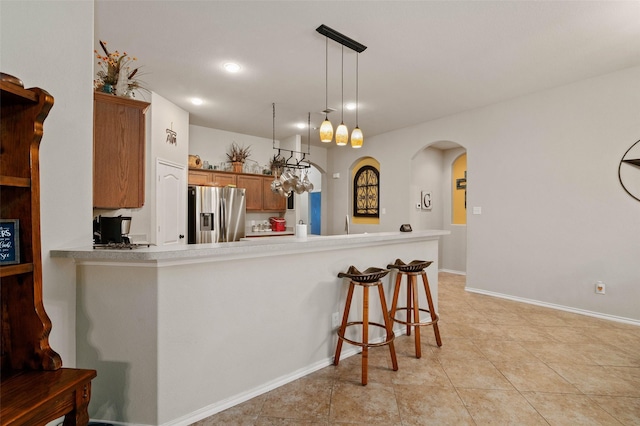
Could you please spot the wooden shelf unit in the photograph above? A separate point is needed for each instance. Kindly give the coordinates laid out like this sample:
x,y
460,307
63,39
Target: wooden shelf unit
x,y
34,388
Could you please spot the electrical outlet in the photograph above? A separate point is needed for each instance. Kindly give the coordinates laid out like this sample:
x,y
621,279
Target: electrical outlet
x,y
600,287
335,319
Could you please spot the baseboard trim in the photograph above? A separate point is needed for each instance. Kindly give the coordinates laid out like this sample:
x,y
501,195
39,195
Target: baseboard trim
x,y
217,407
554,306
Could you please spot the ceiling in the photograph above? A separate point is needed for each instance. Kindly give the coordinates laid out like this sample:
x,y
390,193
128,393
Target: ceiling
x,y
424,59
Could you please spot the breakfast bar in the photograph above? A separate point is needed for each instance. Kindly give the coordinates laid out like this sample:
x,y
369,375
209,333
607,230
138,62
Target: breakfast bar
x,y
219,323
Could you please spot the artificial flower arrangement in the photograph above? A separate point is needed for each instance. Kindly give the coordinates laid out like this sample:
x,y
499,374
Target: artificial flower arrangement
x,y
112,66
237,153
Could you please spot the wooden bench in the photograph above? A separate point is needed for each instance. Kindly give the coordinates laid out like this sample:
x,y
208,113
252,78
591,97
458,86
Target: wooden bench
x,y
31,397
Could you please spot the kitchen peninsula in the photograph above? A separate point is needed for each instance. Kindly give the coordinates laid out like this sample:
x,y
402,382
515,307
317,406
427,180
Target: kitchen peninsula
x,y
178,333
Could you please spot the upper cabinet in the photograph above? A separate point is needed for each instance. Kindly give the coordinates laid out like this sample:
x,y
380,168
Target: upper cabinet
x,y
258,195
118,151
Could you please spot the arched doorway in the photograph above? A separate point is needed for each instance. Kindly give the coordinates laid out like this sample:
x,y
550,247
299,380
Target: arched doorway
x,y
307,207
433,177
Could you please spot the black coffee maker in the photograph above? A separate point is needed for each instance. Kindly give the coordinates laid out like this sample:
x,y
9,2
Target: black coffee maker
x,y
111,229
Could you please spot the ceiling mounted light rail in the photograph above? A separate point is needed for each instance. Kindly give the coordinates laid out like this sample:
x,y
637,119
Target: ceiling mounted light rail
x,y
341,38
326,129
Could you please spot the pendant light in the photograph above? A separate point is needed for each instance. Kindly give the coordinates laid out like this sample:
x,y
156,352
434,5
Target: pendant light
x,y
326,129
342,133
356,136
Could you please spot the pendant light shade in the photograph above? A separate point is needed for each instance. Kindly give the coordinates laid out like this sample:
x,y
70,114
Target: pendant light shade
x,y
356,138
342,135
326,130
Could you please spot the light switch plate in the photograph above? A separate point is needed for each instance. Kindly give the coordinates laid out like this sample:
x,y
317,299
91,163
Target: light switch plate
x,y
477,210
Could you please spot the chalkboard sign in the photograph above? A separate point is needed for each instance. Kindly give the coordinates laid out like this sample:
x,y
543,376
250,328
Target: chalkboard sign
x,y
9,241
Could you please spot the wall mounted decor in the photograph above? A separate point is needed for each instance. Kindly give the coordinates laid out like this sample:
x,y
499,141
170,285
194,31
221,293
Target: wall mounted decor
x,y
172,137
629,171
426,200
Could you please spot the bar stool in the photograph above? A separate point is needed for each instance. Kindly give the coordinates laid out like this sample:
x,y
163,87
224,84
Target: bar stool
x,y
412,270
366,279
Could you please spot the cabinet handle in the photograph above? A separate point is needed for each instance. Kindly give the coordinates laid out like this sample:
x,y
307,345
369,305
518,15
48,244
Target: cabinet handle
x,y
181,236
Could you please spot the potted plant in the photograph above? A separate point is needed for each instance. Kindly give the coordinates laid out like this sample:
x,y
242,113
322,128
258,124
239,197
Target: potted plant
x,y
276,164
237,155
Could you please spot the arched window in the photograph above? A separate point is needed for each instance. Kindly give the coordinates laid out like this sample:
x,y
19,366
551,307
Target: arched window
x,y
366,192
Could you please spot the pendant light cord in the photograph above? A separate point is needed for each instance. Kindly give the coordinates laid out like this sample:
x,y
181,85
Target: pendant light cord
x,y
357,56
326,75
342,115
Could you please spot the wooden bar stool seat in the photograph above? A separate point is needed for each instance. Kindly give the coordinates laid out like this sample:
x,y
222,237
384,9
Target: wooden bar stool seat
x,y
412,270
366,279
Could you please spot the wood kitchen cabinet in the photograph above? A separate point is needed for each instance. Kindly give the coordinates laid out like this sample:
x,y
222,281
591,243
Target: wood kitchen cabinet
x,y
34,389
258,194
210,178
271,201
118,151
253,191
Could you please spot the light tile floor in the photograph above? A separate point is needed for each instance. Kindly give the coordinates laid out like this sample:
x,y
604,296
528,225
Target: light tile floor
x,y
501,363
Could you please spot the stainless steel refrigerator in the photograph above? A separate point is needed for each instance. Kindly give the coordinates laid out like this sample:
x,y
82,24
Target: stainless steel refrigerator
x,y
216,214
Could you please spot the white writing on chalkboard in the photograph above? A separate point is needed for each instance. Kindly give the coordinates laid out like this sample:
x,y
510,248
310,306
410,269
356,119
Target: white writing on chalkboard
x,y
9,248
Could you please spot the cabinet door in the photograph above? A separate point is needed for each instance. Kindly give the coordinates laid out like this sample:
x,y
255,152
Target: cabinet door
x,y
223,179
253,193
271,201
199,178
118,151
171,199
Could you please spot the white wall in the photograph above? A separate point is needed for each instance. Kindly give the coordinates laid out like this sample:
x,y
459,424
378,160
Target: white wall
x,y
164,115
51,47
212,145
544,170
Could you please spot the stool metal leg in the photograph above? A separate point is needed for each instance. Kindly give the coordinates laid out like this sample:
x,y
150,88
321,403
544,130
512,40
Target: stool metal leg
x,y
343,326
388,322
432,310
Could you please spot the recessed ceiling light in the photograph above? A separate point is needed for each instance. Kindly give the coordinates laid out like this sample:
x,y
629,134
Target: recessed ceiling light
x,y
301,125
197,101
232,67
350,106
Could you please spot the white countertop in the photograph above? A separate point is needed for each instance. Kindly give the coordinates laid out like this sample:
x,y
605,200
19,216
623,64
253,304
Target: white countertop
x,y
249,247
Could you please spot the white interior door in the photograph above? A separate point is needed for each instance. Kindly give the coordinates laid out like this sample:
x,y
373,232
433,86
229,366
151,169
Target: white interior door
x,y
171,203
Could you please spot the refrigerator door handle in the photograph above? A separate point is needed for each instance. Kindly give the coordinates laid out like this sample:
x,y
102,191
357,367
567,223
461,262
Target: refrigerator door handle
x,y
223,219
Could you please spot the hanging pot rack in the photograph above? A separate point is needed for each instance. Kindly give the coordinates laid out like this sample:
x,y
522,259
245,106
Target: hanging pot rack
x,y
291,162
